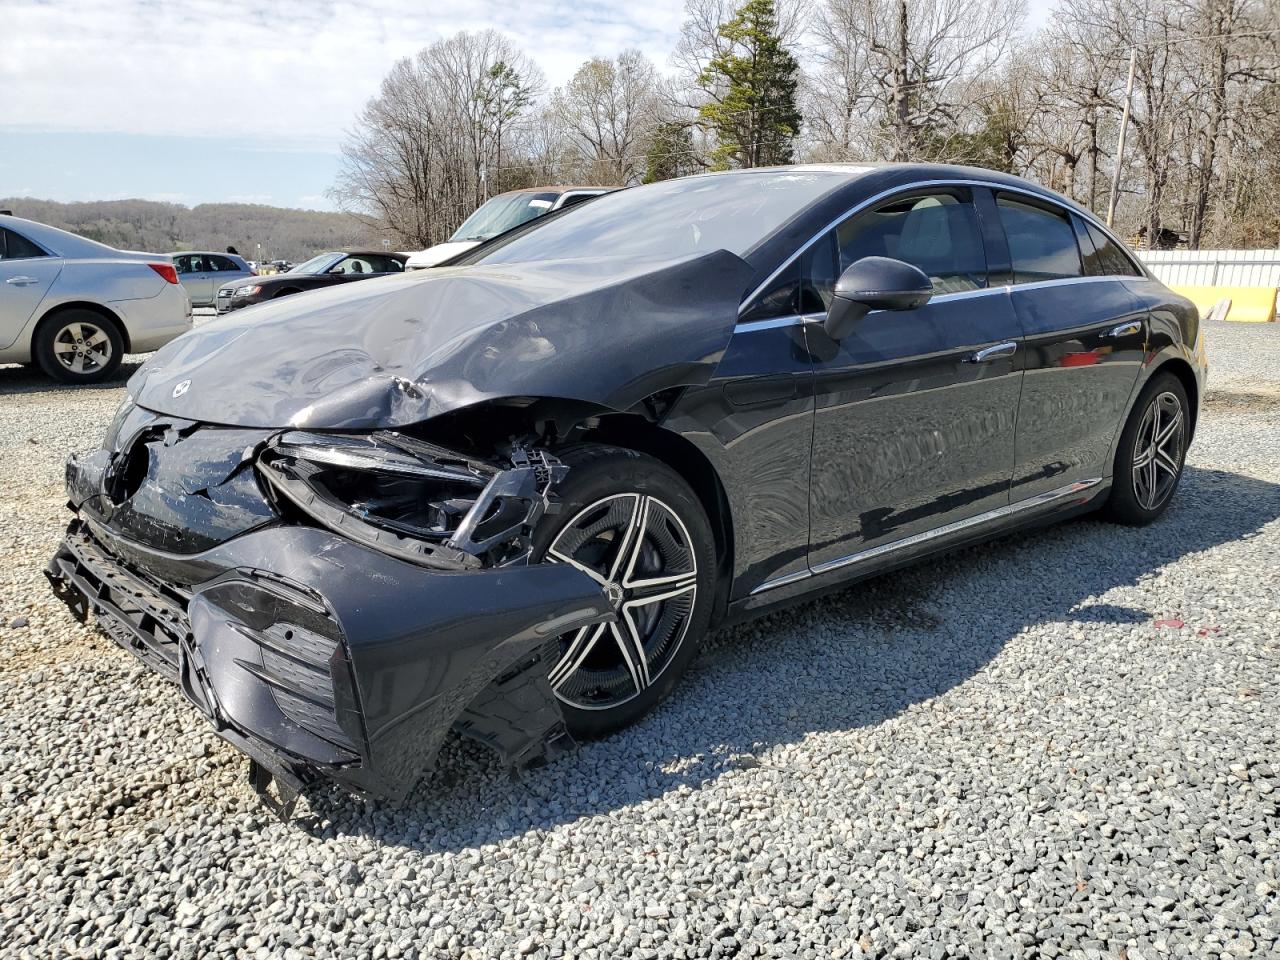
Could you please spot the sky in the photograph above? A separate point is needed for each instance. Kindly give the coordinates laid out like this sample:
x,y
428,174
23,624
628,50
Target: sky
x,y
221,100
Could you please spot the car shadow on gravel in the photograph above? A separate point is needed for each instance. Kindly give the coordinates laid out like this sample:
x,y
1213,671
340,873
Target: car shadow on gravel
x,y
850,660
18,378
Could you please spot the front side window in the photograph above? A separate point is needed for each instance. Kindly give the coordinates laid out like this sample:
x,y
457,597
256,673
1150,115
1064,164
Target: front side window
x,y
936,232
1042,244
14,246
353,265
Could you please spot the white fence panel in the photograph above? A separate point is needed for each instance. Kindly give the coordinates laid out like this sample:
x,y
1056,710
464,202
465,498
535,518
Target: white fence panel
x,y
1225,268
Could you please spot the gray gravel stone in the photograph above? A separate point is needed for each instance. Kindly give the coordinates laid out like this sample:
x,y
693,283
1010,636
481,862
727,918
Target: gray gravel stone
x,y
998,754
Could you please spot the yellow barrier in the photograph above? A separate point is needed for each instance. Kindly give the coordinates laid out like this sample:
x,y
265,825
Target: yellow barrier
x,y
1248,304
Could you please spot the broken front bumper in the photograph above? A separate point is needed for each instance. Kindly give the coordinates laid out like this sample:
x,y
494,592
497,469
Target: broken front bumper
x,y
322,658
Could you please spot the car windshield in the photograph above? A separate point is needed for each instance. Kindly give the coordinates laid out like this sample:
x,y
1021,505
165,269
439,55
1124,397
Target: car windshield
x,y
317,264
502,213
693,215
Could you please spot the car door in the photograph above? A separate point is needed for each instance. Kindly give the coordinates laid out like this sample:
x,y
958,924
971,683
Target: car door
x,y
1085,339
188,267
915,410
203,279
27,272
225,270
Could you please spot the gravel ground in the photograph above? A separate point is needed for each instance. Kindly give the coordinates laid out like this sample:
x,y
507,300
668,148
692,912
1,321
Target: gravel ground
x,y
1061,744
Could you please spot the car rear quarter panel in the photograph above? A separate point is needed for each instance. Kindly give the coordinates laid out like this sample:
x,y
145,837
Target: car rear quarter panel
x,y
1175,343
103,281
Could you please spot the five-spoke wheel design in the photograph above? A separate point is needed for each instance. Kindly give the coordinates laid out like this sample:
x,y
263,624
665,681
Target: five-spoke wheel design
x,y
638,549
82,348
1157,451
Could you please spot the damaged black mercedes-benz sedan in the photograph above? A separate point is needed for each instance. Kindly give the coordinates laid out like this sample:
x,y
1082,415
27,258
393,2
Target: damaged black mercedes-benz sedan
x,y
509,497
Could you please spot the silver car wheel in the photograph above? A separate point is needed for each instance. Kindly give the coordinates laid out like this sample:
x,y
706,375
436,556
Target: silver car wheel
x,y
639,550
1158,450
82,347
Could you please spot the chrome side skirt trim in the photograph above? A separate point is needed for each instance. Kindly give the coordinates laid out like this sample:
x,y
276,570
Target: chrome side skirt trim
x,y
782,581
1031,503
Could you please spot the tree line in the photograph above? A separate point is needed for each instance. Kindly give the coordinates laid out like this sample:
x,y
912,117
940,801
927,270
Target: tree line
x,y
760,82
252,228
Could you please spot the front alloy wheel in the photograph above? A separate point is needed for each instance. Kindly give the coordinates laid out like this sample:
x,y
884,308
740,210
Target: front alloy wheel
x,y
633,525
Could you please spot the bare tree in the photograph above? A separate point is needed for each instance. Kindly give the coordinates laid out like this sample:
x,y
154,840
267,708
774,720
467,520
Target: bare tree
x,y
909,65
423,151
609,110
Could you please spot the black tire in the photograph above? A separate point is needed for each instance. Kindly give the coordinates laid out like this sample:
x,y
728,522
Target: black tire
x,y
78,334
603,483
1135,498
287,292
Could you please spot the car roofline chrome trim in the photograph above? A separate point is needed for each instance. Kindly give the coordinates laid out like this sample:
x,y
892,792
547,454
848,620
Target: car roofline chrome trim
x,y
798,318
1031,503
921,184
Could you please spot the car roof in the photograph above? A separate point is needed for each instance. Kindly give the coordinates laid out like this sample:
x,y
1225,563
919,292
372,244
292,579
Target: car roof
x,y
203,253
372,253
892,174
595,188
55,240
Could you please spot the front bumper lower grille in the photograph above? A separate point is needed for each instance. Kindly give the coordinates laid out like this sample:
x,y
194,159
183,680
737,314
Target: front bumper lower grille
x,y
282,668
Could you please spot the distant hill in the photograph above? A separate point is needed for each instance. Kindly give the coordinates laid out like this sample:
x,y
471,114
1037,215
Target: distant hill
x,y
164,227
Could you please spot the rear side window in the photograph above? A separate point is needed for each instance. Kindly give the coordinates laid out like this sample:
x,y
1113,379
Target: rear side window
x,y
1110,259
14,246
1042,245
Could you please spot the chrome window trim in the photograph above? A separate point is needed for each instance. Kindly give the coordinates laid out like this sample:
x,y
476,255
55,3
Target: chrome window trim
x,y
925,184
795,319
1040,500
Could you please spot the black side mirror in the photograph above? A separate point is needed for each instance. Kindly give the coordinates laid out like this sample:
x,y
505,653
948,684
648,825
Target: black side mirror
x,y
874,283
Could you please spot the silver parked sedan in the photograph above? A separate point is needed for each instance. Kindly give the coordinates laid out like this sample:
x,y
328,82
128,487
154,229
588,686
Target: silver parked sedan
x,y
202,273
76,307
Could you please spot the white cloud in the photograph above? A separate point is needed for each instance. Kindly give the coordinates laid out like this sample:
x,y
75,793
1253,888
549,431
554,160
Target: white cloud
x,y
283,70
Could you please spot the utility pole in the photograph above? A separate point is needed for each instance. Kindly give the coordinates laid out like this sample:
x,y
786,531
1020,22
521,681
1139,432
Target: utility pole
x,y
1124,127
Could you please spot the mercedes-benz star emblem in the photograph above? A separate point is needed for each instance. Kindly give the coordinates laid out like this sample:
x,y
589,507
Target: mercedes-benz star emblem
x,y
181,388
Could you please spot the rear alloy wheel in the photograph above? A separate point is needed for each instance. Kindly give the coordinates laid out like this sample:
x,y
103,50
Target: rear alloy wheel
x,y
78,346
1152,449
633,526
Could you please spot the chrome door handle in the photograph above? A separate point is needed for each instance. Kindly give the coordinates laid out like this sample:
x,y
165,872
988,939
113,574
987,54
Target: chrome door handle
x,y
998,352
1125,329
23,281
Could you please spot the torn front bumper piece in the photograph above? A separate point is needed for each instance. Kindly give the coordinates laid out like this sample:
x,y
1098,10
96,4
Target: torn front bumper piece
x,y
324,658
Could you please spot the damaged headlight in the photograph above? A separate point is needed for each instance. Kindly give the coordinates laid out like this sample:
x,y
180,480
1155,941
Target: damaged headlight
x,y
112,439
413,499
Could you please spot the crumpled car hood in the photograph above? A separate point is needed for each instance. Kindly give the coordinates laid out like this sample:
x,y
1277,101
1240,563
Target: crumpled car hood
x,y
396,351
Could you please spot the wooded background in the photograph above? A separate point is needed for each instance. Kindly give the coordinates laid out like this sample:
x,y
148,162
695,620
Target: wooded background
x,y
165,227
758,82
